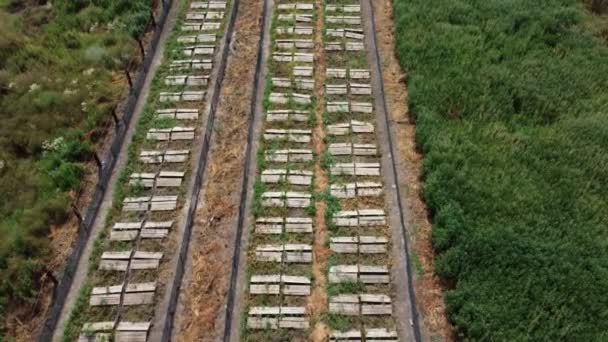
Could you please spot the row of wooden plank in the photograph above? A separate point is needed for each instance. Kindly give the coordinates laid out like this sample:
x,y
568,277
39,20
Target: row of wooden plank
x,y
343,8
352,126
280,317
293,135
343,19
204,15
152,203
201,27
284,253
162,179
292,57
352,33
143,293
134,294
168,156
356,189
358,244
350,149
279,284
197,38
300,17
278,225
364,274
353,74
136,260
125,332
298,29
128,231
281,115
182,96
296,6
296,83
348,88
355,169
366,334
208,5
293,177
349,107
198,50
289,155
361,305
187,80
171,134
360,218
284,98
344,46
190,64
286,199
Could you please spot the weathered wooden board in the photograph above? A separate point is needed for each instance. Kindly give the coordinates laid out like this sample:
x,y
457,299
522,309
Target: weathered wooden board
x,y
190,64
289,155
302,30
343,8
178,113
356,169
286,115
343,19
208,5
293,135
200,27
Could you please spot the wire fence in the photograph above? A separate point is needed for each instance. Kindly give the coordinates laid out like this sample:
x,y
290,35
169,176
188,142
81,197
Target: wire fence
x,y
62,290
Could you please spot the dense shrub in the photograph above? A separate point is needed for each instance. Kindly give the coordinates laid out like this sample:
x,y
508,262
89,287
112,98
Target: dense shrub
x,y
512,115
58,67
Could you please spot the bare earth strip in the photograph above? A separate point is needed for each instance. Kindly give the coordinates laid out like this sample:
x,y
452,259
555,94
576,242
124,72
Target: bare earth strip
x,y
429,290
317,302
202,302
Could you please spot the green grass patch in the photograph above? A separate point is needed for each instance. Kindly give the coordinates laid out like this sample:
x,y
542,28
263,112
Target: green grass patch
x,y
510,102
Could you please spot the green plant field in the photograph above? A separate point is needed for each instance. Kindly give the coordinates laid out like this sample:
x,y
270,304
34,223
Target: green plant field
x,y
511,104
61,73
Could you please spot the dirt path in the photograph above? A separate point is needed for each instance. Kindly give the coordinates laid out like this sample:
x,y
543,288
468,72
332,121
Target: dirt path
x,y
317,302
409,163
202,301
83,265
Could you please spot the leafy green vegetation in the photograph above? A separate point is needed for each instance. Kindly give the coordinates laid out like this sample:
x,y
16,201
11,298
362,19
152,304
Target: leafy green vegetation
x,y
61,73
511,107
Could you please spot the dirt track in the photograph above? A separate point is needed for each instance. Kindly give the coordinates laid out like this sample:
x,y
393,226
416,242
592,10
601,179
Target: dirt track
x,y
429,290
203,297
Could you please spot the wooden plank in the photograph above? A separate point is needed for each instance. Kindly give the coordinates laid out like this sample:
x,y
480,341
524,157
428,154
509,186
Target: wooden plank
x,y
359,74
293,323
258,289
113,265
351,336
298,225
98,326
262,323
343,274
381,335
144,264
130,336
347,309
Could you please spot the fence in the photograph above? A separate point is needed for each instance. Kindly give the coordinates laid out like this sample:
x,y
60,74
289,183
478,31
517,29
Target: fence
x,y
63,288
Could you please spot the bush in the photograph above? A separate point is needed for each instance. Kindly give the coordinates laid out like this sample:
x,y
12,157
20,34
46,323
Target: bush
x,y
44,94
510,103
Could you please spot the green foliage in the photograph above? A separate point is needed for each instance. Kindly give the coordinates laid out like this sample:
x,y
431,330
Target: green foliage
x,y
510,103
58,78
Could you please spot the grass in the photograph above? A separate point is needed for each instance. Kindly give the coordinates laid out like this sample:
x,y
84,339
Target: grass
x,y
510,104
60,76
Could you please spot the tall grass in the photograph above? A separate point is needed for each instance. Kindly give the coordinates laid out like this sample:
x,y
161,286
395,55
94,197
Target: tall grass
x,y
60,76
512,116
